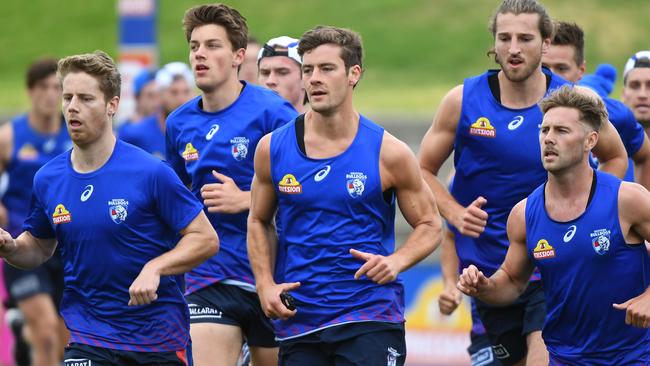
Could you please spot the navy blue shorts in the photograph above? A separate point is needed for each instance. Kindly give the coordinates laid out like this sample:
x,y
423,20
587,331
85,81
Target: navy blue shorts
x,y
44,279
480,351
228,304
365,343
77,354
508,326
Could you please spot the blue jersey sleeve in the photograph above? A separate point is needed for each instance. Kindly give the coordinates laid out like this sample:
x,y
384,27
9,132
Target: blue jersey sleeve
x,y
172,157
38,221
282,115
632,135
176,205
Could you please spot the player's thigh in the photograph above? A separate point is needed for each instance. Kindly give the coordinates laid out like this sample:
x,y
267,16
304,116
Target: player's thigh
x,y
504,327
264,356
40,314
213,341
480,351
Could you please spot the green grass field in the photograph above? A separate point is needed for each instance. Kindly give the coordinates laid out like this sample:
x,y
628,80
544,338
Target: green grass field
x,y
415,49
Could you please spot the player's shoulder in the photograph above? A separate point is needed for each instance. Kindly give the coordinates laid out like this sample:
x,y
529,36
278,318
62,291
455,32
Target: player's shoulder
x,y
135,157
178,115
394,152
56,168
631,194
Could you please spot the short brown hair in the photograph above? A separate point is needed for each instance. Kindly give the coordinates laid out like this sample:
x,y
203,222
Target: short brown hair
x,y
218,14
524,7
570,34
98,65
39,70
592,109
350,42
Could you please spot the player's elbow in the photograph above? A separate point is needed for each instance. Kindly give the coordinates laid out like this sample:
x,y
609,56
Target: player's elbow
x,y
209,244
433,228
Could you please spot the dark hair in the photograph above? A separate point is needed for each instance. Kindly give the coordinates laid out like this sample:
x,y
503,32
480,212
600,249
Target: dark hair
x,y
218,14
348,40
570,34
524,7
98,65
592,109
40,70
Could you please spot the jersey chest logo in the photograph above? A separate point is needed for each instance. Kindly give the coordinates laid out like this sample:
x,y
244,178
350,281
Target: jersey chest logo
x,y
190,153
212,131
482,127
570,233
118,210
600,240
356,183
239,148
322,173
516,122
543,250
61,215
85,195
289,185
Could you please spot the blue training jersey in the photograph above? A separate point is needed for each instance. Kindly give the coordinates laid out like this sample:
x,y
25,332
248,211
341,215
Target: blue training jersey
x,y
497,156
630,130
109,223
326,207
146,134
31,150
587,266
199,142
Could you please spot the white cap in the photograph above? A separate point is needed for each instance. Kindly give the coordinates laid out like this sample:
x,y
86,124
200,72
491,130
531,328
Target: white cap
x,y
291,44
167,73
631,63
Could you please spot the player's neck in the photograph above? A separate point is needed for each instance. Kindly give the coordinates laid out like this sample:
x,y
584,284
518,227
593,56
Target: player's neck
x,y
44,123
330,135
90,157
567,192
222,96
525,93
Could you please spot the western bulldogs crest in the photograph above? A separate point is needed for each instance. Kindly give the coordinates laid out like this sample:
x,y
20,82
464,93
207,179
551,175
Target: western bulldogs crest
x,y
118,209
600,241
239,148
356,183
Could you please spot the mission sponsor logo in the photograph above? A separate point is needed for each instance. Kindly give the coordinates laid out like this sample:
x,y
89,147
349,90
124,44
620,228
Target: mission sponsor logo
x,y
482,127
27,152
543,250
289,185
61,215
190,153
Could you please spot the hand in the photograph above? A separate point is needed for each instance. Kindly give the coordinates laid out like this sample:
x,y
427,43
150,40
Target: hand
x,y
637,310
144,287
271,303
377,268
7,244
472,219
473,282
449,299
224,197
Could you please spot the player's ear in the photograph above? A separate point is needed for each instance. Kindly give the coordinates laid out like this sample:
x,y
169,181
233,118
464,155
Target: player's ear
x,y
111,107
591,141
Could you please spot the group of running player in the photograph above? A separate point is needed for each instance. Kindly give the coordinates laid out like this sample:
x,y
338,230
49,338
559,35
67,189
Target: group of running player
x,y
299,202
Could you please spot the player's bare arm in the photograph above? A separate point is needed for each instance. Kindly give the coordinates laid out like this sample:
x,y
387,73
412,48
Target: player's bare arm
x,y
642,163
261,248
510,281
450,297
610,150
198,242
26,251
437,145
634,217
399,171
6,146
